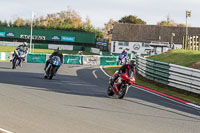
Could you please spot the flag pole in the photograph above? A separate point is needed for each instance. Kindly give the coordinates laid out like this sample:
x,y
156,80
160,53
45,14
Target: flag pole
x,y
31,31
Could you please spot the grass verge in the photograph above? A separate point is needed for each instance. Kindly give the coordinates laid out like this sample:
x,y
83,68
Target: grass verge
x,y
179,57
143,82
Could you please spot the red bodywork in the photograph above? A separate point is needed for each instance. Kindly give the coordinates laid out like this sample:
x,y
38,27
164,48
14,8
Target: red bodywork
x,y
124,78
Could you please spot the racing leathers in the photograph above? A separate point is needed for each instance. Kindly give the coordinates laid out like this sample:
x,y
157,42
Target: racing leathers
x,y
23,48
130,69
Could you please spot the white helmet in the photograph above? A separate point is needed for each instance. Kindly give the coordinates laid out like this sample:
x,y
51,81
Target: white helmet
x,y
25,44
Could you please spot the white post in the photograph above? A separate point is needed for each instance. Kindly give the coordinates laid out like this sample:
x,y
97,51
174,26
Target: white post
x,y
186,24
31,31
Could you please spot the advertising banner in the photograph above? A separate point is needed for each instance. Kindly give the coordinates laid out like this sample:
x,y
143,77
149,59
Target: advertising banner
x,y
33,37
101,43
67,39
10,34
36,58
91,60
2,34
109,60
73,59
56,38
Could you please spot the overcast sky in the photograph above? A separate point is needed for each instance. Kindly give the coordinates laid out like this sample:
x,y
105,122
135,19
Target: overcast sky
x,y
100,11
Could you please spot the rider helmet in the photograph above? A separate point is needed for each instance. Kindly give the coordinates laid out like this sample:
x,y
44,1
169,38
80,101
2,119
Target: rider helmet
x,y
59,49
132,64
124,50
25,44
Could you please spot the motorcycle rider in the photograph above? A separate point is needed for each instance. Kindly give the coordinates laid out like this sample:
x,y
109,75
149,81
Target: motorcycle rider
x,y
129,68
23,47
124,53
123,58
58,53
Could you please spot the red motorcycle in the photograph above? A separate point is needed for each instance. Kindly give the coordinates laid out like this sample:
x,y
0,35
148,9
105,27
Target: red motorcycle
x,y
121,85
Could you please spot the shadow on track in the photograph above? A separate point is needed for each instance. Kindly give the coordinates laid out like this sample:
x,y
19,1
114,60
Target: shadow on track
x,y
60,83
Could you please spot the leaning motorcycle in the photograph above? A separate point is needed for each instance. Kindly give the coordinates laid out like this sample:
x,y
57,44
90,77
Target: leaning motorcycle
x,y
122,60
52,67
19,57
121,85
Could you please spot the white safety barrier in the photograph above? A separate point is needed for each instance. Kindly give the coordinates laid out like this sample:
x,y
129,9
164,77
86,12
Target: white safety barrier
x,y
180,77
184,78
10,44
64,47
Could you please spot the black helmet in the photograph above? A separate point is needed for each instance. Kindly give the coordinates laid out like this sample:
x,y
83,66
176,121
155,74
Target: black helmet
x,y
132,63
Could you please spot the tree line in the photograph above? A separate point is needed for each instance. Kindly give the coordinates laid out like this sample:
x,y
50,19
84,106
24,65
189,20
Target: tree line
x,y
70,20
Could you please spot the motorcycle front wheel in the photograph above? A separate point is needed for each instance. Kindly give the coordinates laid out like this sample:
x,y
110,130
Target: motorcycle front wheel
x,y
14,63
123,90
52,72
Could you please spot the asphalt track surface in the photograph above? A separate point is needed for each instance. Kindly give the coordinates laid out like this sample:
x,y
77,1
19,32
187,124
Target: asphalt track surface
x,y
75,101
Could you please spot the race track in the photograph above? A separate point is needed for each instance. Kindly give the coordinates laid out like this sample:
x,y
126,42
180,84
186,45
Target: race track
x,y
75,101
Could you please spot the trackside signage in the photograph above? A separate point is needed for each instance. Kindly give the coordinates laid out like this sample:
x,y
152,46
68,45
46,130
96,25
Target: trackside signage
x,y
67,38
34,37
2,34
10,34
55,38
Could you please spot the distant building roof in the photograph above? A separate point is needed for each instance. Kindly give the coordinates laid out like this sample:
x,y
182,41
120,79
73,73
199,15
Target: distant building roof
x,y
149,33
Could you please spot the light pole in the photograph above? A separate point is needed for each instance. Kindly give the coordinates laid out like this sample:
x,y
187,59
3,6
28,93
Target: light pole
x,y
188,14
172,38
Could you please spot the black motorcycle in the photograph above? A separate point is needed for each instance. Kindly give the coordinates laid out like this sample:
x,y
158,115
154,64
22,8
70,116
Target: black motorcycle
x,y
52,67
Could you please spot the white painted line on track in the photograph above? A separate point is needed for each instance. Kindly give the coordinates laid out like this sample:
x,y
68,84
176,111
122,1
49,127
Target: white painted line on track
x,y
4,131
104,72
191,105
194,105
185,104
93,72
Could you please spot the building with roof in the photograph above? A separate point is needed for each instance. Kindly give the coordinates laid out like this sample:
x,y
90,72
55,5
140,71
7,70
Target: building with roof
x,y
147,39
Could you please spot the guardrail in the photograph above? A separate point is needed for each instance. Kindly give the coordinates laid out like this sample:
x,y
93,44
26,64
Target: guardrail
x,y
169,74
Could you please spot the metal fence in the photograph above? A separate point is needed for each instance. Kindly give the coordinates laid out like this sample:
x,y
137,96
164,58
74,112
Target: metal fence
x,y
191,43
